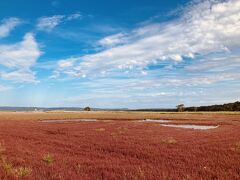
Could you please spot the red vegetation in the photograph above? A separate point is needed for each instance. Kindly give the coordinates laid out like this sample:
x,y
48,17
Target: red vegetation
x,y
119,150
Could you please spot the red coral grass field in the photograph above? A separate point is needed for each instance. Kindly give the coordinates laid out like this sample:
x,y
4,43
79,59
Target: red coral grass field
x,y
118,148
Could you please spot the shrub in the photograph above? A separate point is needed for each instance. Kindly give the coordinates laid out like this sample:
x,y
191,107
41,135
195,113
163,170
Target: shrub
x,y
87,109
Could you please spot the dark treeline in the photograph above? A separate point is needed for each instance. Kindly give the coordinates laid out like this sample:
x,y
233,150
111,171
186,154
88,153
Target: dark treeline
x,y
225,107
180,108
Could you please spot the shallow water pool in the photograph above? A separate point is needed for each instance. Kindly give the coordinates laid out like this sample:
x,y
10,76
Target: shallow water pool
x,y
155,120
70,120
188,126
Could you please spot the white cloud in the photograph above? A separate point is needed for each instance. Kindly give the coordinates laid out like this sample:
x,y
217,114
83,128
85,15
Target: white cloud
x,y
4,88
112,40
63,65
73,16
179,80
20,55
19,76
146,92
49,23
204,28
8,25
203,79
19,58
215,64
66,63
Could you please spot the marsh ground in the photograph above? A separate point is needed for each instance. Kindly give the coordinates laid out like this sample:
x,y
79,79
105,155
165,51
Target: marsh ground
x,y
118,148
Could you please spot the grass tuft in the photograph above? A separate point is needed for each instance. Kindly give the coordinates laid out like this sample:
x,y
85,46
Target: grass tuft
x,y
48,158
78,168
237,147
100,129
8,167
2,148
22,171
169,140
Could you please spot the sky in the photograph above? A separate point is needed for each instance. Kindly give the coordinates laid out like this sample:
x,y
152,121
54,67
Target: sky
x,y
119,54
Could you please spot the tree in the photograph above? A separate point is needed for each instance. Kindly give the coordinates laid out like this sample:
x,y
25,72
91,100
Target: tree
x,y
87,109
195,109
180,107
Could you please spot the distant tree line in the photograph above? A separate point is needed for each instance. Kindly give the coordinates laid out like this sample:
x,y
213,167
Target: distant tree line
x,y
181,108
225,107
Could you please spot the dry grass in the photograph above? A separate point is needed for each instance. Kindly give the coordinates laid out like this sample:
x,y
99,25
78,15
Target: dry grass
x,y
237,147
22,172
169,140
4,164
78,168
117,115
100,129
48,158
18,172
8,168
2,148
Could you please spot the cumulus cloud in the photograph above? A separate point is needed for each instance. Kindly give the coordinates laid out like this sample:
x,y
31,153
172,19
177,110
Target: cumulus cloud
x,y
20,55
7,25
18,59
49,23
204,28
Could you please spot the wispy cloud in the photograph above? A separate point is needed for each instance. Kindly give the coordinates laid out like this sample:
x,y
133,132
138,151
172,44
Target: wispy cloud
x,y
19,58
19,76
186,81
204,28
216,64
49,23
74,16
7,25
113,40
4,88
145,93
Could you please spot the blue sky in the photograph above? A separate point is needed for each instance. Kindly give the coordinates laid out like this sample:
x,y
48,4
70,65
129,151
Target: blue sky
x,y
119,54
